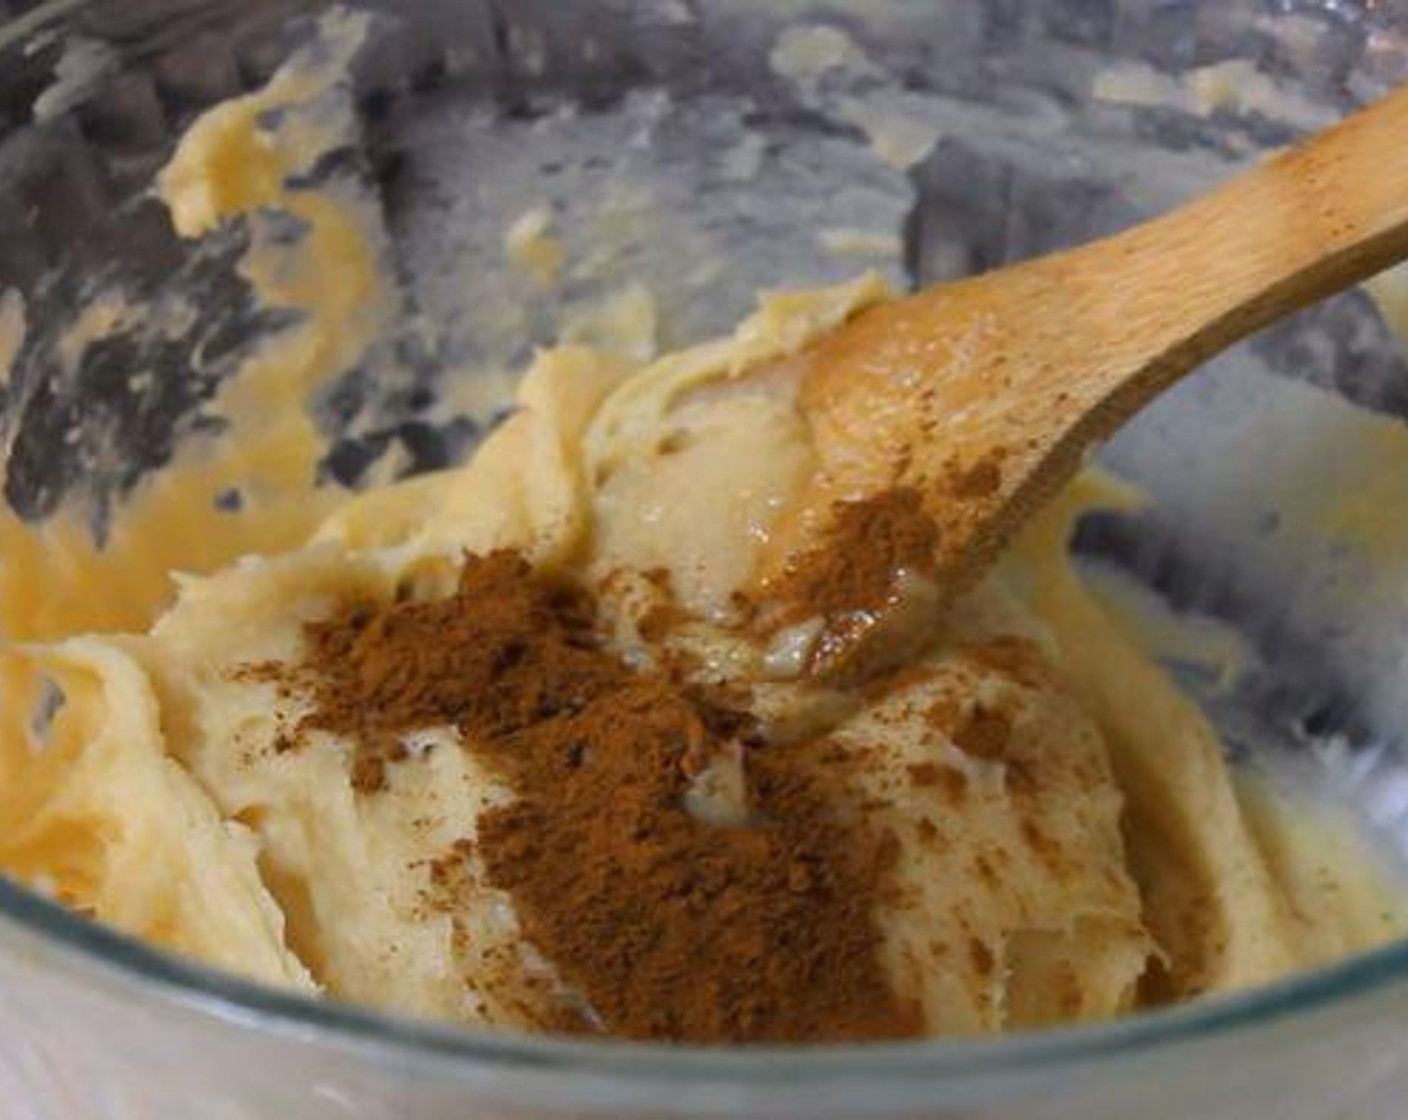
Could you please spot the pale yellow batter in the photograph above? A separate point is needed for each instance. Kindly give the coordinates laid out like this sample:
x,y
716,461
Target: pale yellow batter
x,y
1111,858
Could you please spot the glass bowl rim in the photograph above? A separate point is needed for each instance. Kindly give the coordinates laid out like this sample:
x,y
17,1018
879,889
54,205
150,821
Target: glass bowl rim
x,y
91,951
88,952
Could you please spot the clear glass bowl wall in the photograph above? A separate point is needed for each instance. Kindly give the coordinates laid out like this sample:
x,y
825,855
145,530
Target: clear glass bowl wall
x,y
465,109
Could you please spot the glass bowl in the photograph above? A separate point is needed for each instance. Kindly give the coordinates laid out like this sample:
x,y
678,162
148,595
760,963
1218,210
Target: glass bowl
x,y
712,149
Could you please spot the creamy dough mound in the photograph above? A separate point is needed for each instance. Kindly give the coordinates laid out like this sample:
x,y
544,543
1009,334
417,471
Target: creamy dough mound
x,y
1090,858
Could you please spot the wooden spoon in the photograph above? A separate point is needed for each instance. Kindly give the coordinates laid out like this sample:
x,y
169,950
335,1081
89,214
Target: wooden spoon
x,y
985,393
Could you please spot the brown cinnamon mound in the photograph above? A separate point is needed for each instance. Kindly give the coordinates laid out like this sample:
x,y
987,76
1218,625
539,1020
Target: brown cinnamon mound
x,y
669,927
867,543
869,581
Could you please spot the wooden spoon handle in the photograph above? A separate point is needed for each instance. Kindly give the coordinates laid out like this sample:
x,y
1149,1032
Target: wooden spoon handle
x,y
985,393
1305,223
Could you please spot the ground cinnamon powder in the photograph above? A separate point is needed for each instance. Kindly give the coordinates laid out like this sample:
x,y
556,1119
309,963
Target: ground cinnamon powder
x,y
669,927
861,582
867,543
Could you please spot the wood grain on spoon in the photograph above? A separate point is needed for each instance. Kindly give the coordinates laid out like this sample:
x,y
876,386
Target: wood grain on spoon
x,y
985,393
